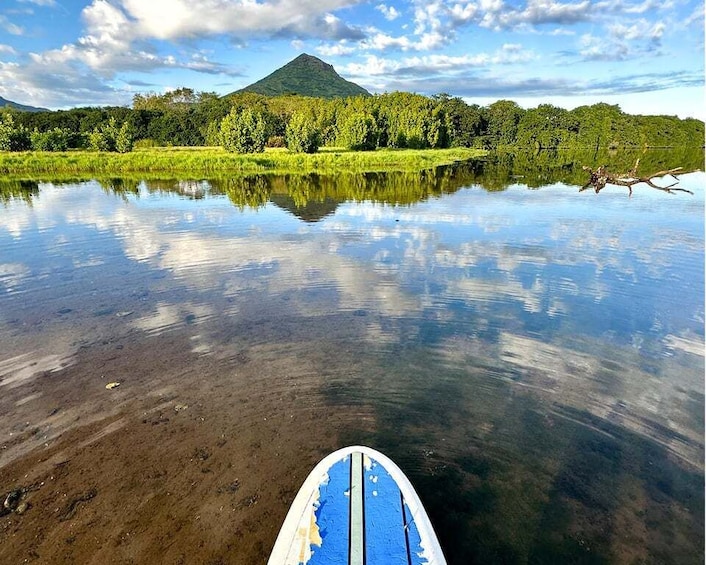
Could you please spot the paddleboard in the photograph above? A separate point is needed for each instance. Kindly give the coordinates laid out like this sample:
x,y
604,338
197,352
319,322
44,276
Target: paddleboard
x,y
356,508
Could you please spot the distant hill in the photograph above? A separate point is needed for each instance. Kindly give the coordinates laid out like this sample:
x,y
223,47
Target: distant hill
x,y
308,76
16,106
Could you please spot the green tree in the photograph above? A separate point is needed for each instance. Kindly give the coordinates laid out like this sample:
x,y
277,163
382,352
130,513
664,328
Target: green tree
x,y
503,117
437,130
98,141
180,99
465,123
13,136
212,135
358,132
56,139
598,124
243,131
7,128
110,137
547,126
302,135
123,139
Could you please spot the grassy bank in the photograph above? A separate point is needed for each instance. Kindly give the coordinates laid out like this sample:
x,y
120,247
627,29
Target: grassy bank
x,y
213,161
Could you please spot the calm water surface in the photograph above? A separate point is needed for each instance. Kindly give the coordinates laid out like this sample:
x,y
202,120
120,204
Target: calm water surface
x,y
533,358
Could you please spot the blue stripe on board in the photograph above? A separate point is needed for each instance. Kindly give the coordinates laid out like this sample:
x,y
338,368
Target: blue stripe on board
x,y
415,540
384,522
332,517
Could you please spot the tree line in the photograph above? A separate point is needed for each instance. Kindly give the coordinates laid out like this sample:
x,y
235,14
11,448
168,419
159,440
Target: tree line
x,y
249,122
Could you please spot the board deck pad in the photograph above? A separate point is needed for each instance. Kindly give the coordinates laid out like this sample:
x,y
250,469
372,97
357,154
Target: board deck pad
x,y
356,508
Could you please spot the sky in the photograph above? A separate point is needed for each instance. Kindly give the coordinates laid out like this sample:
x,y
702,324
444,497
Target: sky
x,y
647,56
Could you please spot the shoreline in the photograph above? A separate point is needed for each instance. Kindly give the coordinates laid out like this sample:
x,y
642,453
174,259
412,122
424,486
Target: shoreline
x,y
215,161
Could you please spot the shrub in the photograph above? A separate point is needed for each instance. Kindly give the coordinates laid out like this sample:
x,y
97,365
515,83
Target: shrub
x,y
276,141
20,139
7,126
212,134
110,137
12,137
302,135
57,139
123,140
100,141
243,132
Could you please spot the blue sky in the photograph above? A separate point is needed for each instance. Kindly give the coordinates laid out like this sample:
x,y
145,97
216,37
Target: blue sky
x,y
645,55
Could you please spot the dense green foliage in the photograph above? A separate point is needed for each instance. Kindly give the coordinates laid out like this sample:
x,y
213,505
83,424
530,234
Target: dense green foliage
x,y
13,137
243,131
306,76
393,120
56,139
110,137
302,134
358,132
106,136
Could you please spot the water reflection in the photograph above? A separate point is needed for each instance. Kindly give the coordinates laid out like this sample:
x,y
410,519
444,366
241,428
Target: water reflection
x,y
534,359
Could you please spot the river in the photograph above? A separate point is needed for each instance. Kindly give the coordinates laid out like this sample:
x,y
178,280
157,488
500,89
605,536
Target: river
x,y
532,356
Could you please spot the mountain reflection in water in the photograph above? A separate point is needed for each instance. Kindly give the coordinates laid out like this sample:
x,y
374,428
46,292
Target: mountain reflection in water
x,y
533,359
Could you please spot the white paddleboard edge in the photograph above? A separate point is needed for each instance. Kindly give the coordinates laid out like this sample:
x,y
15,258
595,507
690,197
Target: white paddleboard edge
x,y
288,532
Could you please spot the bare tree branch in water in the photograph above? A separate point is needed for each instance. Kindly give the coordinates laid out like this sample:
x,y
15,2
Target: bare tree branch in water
x,y
601,177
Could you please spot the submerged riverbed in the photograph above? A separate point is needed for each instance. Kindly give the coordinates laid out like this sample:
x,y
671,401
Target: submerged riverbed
x,y
532,358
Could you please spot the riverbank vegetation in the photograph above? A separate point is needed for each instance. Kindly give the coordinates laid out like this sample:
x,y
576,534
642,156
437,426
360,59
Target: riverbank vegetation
x,y
317,190
214,161
394,120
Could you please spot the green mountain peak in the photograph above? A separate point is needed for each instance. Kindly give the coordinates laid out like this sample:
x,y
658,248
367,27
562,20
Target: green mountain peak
x,y
306,75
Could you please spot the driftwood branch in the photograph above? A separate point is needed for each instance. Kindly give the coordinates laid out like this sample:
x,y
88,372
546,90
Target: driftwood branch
x,y
601,177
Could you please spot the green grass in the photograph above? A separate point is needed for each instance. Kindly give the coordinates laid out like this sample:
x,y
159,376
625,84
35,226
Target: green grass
x,y
205,161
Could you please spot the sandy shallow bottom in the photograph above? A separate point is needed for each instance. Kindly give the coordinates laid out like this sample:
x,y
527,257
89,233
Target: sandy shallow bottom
x,y
189,460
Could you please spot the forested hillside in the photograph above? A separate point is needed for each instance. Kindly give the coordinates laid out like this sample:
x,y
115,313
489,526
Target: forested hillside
x,y
4,103
398,120
308,76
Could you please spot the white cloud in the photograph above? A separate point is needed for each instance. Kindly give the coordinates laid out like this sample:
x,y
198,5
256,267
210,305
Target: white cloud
x,y
381,42
9,27
640,29
631,8
696,17
390,12
7,49
430,65
562,31
536,12
50,3
336,50
174,19
463,12
645,6
621,42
